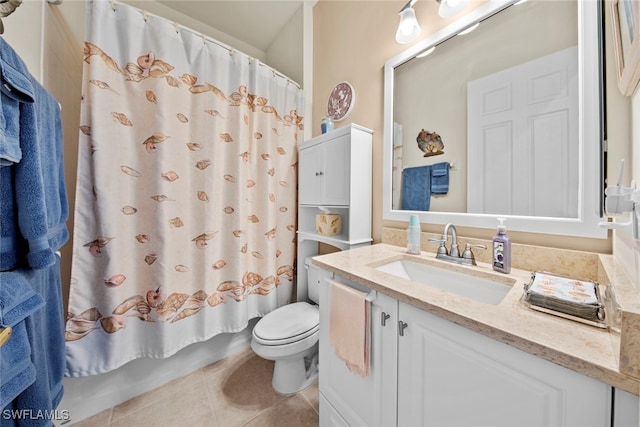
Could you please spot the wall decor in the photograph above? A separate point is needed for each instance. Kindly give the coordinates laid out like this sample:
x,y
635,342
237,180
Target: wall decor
x,y
341,101
430,143
626,35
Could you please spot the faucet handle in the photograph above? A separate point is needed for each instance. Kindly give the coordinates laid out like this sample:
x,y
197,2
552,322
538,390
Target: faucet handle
x,y
442,249
468,254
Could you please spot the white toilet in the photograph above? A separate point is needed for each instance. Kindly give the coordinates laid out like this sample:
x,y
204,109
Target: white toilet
x,y
289,336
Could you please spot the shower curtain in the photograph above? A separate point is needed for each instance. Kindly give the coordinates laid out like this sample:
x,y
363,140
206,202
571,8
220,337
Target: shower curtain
x,y
185,212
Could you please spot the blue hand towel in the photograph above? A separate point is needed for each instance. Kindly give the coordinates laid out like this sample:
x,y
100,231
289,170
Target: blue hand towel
x,y
440,178
45,329
18,301
34,206
416,188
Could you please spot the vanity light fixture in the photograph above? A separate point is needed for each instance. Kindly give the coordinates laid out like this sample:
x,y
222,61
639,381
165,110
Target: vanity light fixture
x,y
450,8
408,28
468,30
426,52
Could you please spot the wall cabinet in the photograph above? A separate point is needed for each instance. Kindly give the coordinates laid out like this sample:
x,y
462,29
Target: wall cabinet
x,y
427,371
324,172
335,171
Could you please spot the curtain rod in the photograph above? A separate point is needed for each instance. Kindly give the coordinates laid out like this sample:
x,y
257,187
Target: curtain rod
x,y
231,50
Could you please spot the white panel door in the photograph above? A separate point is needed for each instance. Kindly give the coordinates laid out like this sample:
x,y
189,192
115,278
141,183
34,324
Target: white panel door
x,y
522,139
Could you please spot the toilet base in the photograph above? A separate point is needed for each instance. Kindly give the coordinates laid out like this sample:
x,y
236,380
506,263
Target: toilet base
x,y
292,375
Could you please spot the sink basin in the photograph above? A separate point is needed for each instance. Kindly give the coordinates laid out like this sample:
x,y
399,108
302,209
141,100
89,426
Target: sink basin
x,y
480,287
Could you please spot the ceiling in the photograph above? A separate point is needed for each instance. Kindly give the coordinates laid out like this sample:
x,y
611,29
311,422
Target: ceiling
x,y
256,22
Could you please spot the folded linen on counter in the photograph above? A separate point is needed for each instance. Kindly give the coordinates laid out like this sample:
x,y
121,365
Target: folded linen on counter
x,y
416,188
440,178
349,330
18,301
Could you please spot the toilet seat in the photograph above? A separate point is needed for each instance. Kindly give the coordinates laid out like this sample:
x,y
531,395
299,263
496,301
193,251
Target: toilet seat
x,y
288,324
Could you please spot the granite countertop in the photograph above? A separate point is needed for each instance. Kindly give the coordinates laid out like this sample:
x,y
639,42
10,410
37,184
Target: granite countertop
x,y
592,351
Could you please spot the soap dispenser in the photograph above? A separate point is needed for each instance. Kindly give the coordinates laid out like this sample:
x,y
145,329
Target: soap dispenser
x,y
502,249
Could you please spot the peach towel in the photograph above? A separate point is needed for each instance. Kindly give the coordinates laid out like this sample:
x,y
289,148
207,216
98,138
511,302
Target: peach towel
x,y
349,331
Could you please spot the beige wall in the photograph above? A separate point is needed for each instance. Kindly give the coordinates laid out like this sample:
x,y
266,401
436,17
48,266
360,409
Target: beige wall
x,y
352,41
23,31
62,76
623,116
627,250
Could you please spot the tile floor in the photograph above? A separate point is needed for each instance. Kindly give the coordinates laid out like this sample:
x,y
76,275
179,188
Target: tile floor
x,y
235,391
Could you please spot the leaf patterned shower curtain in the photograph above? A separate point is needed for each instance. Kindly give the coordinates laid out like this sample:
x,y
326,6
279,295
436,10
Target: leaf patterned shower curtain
x,y
186,191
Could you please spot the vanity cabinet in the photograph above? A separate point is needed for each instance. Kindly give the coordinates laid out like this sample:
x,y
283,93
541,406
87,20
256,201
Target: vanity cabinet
x,y
335,172
450,375
346,399
427,371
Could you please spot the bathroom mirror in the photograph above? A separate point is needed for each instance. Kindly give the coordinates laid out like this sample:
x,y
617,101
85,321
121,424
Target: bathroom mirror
x,y
545,177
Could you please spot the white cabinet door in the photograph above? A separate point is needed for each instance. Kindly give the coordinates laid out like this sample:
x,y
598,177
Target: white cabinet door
x,y
626,409
311,162
451,376
369,401
336,171
329,417
324,173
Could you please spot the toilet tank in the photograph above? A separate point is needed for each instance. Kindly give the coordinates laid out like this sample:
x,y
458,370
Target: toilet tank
x,y
314,275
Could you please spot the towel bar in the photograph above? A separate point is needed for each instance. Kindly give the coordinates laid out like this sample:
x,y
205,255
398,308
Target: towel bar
x,y
5,334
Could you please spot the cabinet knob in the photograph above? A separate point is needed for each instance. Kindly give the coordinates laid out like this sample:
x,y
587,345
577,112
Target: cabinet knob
x,y
401,327
383,318
319,173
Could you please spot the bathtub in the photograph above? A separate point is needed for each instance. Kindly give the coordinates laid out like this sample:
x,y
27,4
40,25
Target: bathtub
x,y
90,395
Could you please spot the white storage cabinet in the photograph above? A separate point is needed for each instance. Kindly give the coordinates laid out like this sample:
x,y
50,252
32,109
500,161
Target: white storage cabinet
x,y
335,171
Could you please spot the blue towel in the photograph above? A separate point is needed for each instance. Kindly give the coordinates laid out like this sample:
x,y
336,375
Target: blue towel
x,y
416,188
45,330
18,301
440,178
15,89
34,208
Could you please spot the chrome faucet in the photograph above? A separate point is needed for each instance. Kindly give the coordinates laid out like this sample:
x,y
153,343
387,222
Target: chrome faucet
x,y
454,255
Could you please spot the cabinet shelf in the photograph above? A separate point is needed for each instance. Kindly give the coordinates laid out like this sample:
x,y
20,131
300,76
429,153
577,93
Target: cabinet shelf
x,y
339,241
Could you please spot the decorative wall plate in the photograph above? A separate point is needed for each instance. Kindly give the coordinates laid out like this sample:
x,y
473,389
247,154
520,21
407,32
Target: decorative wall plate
x,y
341,101
430,143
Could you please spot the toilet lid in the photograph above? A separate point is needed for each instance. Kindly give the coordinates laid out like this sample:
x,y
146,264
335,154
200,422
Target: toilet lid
x,y
288,323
